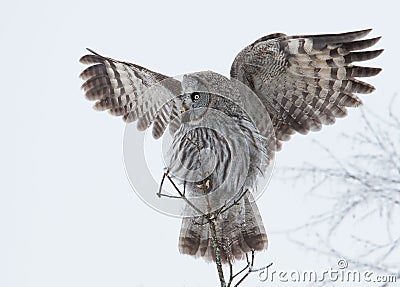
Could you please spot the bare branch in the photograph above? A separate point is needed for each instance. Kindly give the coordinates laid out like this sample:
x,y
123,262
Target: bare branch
x,y
366,187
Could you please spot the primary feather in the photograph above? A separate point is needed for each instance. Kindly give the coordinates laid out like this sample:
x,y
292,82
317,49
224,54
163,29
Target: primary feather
x,y
306,81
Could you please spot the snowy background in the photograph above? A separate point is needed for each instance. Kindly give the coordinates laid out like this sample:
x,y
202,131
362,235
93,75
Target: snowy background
x,y
68,215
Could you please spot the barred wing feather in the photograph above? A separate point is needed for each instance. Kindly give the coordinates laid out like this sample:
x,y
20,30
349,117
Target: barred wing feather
x,y
306,81
131,91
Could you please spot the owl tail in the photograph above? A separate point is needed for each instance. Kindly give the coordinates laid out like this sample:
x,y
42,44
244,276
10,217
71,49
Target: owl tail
x,y
239,230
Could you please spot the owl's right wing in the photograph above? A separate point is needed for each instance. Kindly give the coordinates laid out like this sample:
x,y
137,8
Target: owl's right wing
x,y
133,92
306,81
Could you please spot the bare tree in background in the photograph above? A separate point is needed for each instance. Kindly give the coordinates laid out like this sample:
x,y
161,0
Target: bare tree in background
x,y
364,198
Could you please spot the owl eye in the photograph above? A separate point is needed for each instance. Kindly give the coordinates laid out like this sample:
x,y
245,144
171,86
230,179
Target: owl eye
x,y
195,96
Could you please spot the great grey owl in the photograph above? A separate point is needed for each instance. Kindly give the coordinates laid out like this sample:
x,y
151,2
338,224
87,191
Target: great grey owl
x,y
223,138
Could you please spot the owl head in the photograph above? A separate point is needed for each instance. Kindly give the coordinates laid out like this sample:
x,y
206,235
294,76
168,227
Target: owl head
x,y
195,100
196,92
208,90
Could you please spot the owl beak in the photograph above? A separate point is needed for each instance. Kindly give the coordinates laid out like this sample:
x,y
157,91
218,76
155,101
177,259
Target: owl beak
x,y
186,103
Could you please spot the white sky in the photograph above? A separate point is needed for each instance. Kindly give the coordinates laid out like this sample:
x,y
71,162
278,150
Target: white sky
x,y
68,216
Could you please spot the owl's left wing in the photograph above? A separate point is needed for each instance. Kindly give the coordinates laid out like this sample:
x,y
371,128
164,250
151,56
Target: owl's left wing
x,y
306,81
133,92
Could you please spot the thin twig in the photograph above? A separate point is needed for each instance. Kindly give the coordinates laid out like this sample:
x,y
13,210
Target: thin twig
x,y
371,187
250,268
214,237
230,273
217,252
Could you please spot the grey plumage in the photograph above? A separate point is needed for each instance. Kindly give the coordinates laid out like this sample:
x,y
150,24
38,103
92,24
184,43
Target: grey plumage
x,y
279,85
131,91
240,229
218,122
306,81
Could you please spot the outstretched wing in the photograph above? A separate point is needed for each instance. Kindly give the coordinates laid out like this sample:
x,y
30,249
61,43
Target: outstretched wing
x,y
131,91
306,81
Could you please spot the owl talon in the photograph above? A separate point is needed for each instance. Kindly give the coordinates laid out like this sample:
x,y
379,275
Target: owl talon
x,y
207,184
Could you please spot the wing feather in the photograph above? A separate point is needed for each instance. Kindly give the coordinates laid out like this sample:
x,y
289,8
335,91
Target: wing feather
x,y
131,91
306,81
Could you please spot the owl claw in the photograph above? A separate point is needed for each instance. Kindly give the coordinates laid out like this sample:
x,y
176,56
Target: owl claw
x,y
206,184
